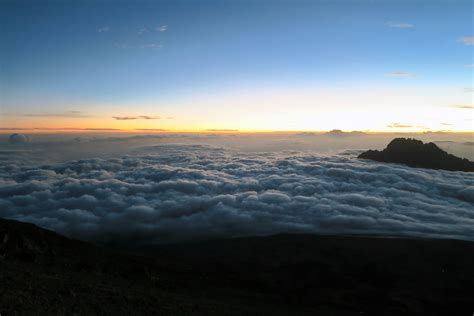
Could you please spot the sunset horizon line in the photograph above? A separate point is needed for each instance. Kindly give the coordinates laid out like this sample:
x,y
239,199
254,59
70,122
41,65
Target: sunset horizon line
x,y
38,130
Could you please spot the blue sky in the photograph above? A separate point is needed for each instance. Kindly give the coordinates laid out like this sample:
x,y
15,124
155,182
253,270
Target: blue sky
x,y
211,63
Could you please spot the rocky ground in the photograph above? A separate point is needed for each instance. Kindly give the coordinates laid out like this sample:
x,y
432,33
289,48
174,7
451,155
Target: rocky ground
x,y
43,273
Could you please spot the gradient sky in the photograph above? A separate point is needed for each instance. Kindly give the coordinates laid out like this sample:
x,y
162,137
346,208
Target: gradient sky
x,y
247,65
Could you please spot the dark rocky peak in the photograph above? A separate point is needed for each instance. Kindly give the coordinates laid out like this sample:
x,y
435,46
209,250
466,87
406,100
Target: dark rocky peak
x,y
415,153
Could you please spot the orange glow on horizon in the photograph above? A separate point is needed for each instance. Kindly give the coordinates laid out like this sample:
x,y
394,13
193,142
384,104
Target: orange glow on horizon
x,y
38,130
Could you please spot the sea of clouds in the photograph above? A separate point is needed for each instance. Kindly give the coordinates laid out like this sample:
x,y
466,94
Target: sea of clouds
x,y
180,192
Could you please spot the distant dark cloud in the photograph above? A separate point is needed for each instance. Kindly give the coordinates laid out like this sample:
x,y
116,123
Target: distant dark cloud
x,y
176,192
18,139
338,132
140,117
306,134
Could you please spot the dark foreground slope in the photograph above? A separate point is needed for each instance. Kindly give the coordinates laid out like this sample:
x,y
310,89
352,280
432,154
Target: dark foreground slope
x,y
44,273
415,153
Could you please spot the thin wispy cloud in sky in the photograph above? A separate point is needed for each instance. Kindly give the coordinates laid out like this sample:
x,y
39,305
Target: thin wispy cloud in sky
x,y
162,28
399,125
142,30
152,46
400,74
462,106
466,40
103,29
140,117
150,129
400,25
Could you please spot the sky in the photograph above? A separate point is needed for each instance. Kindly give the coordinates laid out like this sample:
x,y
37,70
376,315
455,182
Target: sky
x,y
236,65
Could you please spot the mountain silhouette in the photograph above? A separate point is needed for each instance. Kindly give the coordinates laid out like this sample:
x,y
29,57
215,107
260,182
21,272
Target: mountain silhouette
x,y
415,153
44,273
338,132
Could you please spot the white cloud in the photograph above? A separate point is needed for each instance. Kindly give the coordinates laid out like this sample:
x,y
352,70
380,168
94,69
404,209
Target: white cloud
x,y
103,29
171,192
400,25
466,40
142,30
162,28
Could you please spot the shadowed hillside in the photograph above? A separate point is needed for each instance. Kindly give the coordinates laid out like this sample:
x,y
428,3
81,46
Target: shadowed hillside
x,y
415,153
44,273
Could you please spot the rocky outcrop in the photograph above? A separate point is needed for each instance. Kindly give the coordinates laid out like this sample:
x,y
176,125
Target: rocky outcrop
x,y
415,153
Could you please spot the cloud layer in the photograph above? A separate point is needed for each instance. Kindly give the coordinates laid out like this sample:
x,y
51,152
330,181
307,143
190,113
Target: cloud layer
x,y
181,192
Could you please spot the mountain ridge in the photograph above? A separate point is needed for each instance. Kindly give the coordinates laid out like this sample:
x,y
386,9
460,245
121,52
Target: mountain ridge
x,y
42,272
